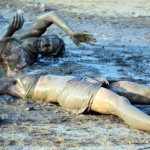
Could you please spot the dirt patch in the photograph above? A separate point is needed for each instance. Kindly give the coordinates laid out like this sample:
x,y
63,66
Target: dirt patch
x,y
122,51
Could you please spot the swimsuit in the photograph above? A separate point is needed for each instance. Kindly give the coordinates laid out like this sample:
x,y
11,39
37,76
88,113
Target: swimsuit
x,y
78,94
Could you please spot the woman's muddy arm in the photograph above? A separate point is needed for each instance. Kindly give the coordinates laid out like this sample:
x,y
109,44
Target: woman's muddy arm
x,y
50,18
53,17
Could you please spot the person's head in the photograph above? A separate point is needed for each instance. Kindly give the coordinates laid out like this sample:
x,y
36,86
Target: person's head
x,y
47,45
12,56
55,46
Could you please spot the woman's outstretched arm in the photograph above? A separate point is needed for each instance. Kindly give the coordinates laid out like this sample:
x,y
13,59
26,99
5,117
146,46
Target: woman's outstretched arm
x,y
53,17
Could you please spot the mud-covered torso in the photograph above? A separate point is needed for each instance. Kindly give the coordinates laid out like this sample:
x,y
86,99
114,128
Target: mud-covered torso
x,y
74,93
49,87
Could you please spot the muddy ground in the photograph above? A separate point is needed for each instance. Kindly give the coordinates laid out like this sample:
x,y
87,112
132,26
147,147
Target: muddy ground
x,y
122,51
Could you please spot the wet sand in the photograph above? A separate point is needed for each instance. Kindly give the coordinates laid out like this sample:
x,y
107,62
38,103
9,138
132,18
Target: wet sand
x,y
122,51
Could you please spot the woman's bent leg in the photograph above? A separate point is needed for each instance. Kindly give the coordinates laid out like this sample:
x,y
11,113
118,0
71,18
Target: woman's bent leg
x,y
107,102
136,93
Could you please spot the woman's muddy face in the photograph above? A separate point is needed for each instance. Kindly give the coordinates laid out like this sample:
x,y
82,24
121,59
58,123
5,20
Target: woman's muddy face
x,y
14,57
47,45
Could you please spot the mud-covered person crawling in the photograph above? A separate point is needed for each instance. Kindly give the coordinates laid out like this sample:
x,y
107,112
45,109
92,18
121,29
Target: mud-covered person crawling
x,y
30,35
79,94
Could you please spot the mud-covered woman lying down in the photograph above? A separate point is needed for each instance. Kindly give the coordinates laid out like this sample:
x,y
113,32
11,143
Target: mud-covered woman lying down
x,y
79,94
30,34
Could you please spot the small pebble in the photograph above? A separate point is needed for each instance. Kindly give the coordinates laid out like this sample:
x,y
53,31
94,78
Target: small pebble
x,y
29,108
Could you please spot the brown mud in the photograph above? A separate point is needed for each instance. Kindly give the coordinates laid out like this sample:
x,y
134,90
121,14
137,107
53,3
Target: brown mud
x,y
122,51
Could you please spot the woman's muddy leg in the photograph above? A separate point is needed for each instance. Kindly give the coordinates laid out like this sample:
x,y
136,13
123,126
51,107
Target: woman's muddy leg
x,y
136,93
107,102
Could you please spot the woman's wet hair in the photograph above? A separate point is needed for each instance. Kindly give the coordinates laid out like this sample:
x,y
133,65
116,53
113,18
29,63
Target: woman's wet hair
x,y
5,45
12,56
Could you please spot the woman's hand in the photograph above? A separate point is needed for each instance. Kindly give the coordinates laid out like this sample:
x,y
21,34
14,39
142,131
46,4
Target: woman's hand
x,y
79,37
16,23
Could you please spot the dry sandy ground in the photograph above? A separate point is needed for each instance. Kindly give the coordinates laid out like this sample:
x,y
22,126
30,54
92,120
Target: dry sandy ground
x,y
122,51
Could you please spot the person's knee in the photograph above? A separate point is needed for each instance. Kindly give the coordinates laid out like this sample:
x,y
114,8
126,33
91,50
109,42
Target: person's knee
x,y
122,100
119,102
